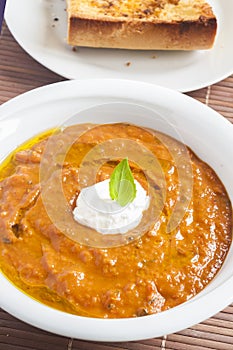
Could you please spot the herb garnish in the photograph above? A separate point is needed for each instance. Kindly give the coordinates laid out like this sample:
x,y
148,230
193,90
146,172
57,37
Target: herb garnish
x,y
122,187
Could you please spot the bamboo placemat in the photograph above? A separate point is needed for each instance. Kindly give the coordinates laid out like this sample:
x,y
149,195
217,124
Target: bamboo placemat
x,y
20,73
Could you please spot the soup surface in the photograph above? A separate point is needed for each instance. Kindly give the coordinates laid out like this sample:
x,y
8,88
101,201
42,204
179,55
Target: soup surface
x,y
157,271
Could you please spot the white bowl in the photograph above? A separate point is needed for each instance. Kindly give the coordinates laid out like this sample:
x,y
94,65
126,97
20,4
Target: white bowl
x,y
103,101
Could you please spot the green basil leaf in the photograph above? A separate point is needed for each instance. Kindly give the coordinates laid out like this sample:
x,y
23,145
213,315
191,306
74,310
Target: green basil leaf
x,y
122,187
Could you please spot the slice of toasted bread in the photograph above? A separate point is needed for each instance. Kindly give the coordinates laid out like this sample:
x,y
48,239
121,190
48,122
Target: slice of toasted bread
x,y
144,25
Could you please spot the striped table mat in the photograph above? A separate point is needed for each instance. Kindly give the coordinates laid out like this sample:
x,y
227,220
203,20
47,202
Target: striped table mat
x,y
20,73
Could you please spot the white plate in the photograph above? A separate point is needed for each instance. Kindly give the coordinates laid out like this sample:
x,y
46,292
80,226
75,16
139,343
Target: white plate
x,y
204,130
33,26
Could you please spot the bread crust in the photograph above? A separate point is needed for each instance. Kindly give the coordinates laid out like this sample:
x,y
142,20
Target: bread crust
x,y
187,35
145,34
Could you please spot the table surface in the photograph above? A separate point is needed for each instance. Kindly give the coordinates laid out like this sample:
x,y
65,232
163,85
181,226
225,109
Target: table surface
x,y
20,73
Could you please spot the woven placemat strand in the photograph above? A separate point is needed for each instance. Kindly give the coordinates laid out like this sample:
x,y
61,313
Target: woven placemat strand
x,y
20,73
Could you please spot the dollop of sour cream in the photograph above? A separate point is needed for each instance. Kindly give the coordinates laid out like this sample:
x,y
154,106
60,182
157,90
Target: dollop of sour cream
x,y
95,209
